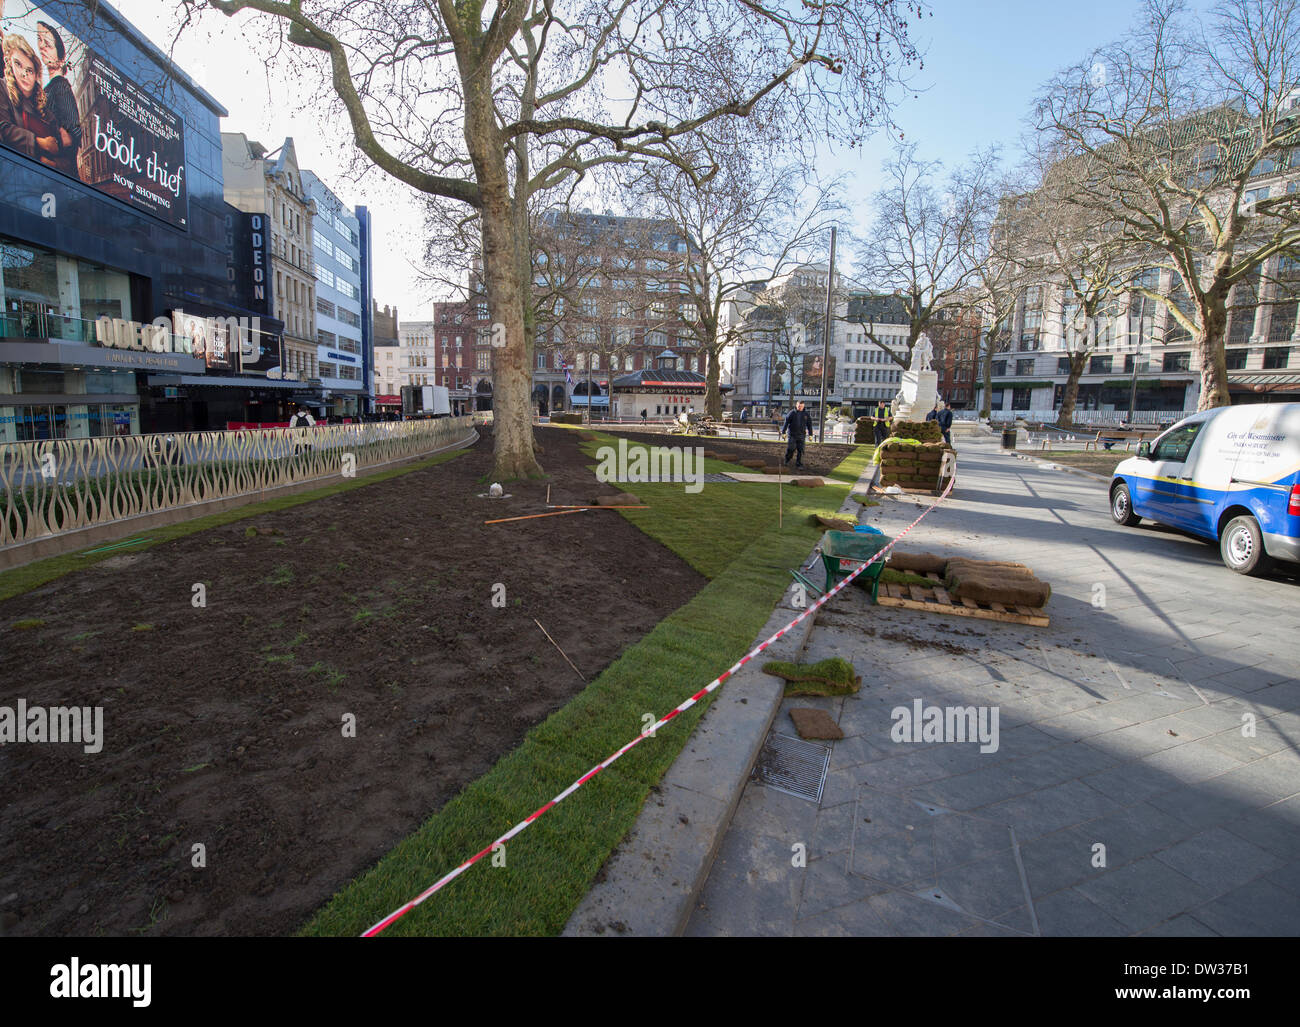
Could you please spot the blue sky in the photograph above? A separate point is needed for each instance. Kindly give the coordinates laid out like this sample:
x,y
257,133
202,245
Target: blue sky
x,y
984,63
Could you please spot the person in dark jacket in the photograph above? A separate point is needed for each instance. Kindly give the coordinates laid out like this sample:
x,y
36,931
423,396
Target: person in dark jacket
x,y
798,424
60,105
943,416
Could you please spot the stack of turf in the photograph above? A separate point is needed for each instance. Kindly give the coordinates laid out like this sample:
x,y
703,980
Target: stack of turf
x,y
865,431
1012,584
909,463
921,431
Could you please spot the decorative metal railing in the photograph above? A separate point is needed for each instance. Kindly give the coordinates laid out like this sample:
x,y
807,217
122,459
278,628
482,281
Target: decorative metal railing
x,y
56,486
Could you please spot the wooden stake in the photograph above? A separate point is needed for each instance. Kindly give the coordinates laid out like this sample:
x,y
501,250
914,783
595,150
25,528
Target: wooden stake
x,y
557,513
562,653
548,495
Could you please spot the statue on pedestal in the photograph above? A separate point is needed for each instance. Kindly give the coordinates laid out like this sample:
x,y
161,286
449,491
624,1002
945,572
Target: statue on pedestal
x,y
922,354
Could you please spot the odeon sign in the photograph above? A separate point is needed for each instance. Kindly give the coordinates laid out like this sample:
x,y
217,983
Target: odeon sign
x,y
158,336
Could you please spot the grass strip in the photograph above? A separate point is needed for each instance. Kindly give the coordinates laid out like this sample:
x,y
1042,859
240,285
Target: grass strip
x,y
729,533
33,575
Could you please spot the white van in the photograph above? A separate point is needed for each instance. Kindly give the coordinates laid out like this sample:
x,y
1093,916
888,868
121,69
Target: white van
x,y
1231,474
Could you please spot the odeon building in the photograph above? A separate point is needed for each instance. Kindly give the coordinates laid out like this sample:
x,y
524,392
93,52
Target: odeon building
x,y
127,294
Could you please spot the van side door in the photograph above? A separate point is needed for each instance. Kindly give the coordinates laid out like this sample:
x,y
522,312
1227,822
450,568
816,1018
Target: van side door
x,y
1168,496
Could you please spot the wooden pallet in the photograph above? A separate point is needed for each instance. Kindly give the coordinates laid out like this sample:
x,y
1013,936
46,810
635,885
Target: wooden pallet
x,y
937,600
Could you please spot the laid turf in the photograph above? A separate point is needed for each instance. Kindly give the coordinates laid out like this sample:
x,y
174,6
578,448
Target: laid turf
x,y
730,533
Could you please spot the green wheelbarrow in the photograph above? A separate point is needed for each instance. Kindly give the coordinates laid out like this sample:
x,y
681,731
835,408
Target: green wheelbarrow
x,y
844,551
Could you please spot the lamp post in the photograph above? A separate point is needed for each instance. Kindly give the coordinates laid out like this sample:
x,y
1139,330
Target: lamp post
x,y
1133,384
826,342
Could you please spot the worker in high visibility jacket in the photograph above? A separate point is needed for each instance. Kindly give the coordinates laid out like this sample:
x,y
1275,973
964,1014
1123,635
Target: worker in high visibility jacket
x,y
880,421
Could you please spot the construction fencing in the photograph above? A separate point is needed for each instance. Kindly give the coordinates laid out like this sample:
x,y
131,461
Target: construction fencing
x,y
61,485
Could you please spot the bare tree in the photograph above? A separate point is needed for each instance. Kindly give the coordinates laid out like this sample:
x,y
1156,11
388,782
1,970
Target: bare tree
x,y
999,278
485,104
1060,243
925,243
1167,137
790,315
745,218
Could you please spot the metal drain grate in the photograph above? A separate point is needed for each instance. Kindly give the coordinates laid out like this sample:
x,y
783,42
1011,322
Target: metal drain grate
x,y
793,766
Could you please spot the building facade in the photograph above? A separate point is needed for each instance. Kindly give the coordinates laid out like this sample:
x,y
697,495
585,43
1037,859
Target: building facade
x,y
270,183
98,253
611,301
1140,358
340,336
389,376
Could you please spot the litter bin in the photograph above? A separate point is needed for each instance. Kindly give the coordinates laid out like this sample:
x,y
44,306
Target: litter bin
x,y
1009,438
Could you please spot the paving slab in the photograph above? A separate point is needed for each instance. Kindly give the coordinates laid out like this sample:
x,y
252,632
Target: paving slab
x,y
1122,798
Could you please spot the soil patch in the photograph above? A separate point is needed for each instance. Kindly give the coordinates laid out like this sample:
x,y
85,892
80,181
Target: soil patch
x,y
224,726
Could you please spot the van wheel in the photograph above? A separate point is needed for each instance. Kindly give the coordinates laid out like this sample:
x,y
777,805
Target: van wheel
x,y
1121,507
1242,547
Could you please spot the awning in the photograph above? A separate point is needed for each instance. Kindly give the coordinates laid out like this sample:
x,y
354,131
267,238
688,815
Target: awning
x,y
1268,379
223,381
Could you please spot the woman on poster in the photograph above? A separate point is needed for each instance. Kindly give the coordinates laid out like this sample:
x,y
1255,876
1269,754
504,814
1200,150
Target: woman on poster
x,y
23,122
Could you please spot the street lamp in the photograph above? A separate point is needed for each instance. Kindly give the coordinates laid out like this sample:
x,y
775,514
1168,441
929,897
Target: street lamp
x,y
1133,384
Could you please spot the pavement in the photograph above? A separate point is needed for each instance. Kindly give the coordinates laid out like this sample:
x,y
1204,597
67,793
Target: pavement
x,y
1144,777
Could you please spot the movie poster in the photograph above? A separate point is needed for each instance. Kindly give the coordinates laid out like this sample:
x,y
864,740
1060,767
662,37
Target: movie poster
x,y
812,373
63,105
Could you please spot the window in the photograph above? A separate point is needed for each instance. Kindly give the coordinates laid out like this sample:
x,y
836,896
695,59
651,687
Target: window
x,y
541,361
1020,398
322,244
1025,366
1177,362
1062,365
324,275
324,307
1276,356
484,360
1176,444
1282,322
1100,365
1250,197
999,368
1235,359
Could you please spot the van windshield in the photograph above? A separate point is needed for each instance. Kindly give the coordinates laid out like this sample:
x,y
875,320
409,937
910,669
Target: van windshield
x,y
1177,443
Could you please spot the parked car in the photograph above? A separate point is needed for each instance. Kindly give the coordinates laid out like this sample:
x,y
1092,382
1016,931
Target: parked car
x,y
1230,475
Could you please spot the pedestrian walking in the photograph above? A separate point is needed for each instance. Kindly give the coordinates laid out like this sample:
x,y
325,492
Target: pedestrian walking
x,y
644,414
798,424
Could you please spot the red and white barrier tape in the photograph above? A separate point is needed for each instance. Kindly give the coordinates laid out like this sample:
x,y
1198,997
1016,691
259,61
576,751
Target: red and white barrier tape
x,y
716,683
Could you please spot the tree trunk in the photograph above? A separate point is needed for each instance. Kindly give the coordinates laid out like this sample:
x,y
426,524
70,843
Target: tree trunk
x,y
1208,346
713,393
986,401
1065,417
506,293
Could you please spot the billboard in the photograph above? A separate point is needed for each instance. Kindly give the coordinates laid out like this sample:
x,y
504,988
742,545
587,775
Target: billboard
x,y
812,373
64,106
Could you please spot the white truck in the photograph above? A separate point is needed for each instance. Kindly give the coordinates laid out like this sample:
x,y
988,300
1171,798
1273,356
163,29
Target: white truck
x,y
426,401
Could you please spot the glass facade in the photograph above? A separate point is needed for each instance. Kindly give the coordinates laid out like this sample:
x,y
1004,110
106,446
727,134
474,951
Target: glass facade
x,y
70,253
